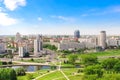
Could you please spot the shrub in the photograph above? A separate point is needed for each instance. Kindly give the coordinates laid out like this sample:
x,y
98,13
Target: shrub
x,y
20,71
117,67
30,76
7,74
10,62
4,63
27,54
109,63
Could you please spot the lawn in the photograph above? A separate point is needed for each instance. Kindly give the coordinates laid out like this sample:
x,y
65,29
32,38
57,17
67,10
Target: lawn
x,y
70,71
107,53
21,78
76,77
103,54
55,75
34,75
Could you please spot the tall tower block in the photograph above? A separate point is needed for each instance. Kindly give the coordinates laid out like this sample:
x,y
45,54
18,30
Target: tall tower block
x,y
38,45
102,39
76,34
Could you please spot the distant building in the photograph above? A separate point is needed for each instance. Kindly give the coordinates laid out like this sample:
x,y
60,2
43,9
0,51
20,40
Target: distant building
x,y
113,42
18,37
70,46
77,34
22,49
38,45
2,47
102,39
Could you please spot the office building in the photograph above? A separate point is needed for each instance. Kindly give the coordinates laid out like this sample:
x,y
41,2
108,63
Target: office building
x,y
77,34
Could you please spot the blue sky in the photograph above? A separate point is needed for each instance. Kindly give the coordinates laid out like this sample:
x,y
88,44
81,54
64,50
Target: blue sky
x,y
59,16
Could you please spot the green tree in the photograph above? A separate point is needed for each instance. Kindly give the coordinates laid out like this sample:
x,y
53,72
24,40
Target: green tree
x,y
109,63
51,47
7,74
27,54
20,71
89,59
0,63
117,66
99,48
10,54
72,58
95,69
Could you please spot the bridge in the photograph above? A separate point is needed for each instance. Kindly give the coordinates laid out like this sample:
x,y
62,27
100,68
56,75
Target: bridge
x,y
18,63
24,65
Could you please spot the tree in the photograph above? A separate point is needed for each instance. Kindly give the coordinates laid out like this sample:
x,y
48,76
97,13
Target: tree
x,y
99,48
10,55
0,63
96,69
117,66
89,59
109,63
27,54
7,74
72,58
51,47
20,71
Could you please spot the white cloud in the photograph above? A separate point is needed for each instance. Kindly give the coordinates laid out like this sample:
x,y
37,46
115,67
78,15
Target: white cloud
x,y
64,18
104,11
5,20
84,15
115,8
39,19
13,4
0,9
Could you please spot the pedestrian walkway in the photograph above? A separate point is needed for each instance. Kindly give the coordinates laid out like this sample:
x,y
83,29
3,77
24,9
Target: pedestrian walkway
x,y
44,75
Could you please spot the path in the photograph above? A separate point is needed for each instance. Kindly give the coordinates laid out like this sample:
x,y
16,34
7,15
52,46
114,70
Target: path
x,y
63,72
44,75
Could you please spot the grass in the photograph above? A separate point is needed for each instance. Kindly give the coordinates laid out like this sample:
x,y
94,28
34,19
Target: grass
x,y
34,60
55,75
107,53
75,77
34,75
103,54
70,71
67,65
22,78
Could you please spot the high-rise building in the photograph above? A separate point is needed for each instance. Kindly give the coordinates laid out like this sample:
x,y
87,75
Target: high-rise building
x,y
2,47
38,45
77,34
22,49
18,37
102,39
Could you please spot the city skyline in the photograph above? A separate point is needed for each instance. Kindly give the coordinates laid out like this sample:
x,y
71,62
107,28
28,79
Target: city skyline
x,y
59,17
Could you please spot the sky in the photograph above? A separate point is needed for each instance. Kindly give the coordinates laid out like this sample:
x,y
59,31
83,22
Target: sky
x,y
59,17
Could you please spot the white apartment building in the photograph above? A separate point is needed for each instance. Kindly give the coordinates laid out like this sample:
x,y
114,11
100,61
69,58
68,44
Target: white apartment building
x,y
38,45
70,46
2,47
22,51
113,42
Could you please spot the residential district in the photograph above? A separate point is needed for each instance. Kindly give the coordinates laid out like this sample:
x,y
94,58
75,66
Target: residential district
x,y
26,43
58,57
